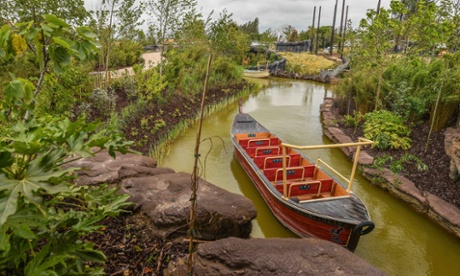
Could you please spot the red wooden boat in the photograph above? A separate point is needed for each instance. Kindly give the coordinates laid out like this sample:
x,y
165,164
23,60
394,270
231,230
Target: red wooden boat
x,y
303,197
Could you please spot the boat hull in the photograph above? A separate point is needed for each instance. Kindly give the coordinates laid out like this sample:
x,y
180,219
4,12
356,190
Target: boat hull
x,y
301,223
256,74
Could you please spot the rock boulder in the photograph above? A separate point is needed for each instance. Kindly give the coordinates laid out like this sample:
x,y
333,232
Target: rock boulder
x,y
233,256
452,147
162,197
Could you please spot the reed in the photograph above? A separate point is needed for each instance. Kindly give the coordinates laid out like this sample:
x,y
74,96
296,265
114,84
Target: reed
x,y
161,147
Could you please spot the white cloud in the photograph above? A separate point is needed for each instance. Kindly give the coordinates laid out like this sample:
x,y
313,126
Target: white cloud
x,y
277,13
298,13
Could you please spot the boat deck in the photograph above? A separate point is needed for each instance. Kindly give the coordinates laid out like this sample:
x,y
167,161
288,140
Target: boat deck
x,y
308,187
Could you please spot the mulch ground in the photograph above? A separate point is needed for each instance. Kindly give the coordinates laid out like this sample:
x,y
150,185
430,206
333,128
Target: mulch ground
x,y
435,179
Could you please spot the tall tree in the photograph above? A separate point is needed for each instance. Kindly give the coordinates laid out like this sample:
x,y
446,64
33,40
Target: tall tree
x,y
167,16
116,19
30,10
252,29
375,36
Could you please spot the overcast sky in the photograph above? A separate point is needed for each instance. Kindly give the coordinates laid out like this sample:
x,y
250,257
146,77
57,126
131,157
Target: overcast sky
x,y
277,13
298,13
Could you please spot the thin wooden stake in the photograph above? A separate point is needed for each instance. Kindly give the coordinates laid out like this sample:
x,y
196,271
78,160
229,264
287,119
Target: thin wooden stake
x,y
195,174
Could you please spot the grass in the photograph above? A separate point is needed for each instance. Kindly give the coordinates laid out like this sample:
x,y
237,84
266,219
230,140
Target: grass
x,y
162,147
307,64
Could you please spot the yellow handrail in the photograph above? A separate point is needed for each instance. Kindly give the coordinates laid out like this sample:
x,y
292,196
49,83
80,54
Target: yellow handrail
x,y
361,142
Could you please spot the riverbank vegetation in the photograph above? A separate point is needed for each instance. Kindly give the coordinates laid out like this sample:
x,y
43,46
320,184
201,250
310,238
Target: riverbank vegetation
x,y
53,108
404,76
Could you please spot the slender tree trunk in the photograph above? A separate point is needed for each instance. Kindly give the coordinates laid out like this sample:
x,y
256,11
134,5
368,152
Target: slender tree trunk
x,y
317,31
333,28
194,185
344,33
339,48
312,30
109,42
378,6
379,86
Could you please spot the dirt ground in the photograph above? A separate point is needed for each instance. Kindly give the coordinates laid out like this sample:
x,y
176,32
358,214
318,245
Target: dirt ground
x,y
436,179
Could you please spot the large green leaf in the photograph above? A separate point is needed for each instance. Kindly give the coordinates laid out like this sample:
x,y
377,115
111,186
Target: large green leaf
x,y
62,41
86,33
14,188
60,56
55,20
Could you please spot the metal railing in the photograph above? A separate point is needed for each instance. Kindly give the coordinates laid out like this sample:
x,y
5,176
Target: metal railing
x,y
361,142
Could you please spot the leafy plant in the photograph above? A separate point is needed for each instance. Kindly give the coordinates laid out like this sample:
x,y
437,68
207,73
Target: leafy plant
x,y
43,215
354,121
149,83
387,130
399,165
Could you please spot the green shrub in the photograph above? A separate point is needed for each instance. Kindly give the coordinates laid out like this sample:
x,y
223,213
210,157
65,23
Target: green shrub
x,y
387,130
398,165
353,121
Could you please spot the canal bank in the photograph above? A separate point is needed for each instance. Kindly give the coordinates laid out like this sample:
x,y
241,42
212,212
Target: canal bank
x,y
435,208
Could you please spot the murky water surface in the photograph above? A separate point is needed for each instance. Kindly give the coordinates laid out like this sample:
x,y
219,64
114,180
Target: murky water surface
x,y
403,242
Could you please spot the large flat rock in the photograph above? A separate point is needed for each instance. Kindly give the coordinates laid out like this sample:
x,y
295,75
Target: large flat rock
x,y
233,256
165,199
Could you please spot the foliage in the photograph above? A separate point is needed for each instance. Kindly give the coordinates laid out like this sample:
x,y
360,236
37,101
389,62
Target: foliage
x,y
268,36
186,67
61,93
227,39
39,231
31,10
405,60
252,29
354,121
400,164
123,53
52,41
148,83
387,130
116,24
43,216
167,15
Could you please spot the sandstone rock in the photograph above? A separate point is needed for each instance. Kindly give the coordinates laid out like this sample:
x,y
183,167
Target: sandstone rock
x,y
364,158
102,168
163,196
233,256
445,213
452,147
337,135
165,199
399,185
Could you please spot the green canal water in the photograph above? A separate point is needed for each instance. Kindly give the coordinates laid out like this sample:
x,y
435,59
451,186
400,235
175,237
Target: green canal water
x,y
403,241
